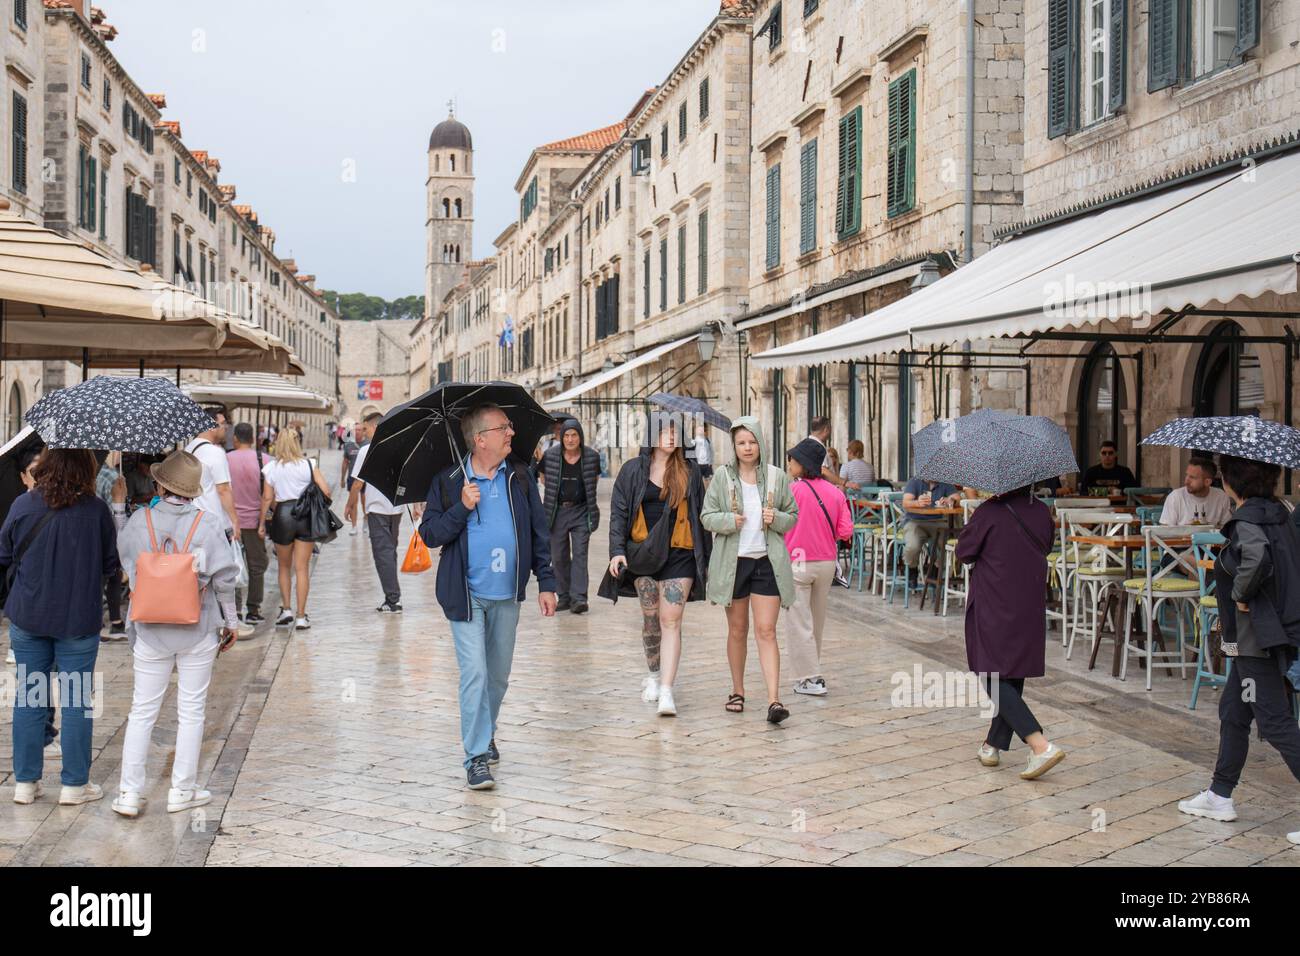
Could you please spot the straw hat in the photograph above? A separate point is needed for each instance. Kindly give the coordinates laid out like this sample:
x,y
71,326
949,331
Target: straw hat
x,y
180,473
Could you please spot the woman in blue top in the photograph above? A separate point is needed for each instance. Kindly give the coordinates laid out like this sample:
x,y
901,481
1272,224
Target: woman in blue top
x,y
60,539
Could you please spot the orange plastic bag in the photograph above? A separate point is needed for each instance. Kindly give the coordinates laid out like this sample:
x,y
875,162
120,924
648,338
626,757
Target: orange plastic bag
x,y
417,555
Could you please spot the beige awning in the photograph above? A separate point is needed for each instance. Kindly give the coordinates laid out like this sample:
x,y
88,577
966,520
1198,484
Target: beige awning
x,y
245,389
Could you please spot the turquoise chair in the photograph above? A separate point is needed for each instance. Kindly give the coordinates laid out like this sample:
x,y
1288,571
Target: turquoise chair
x,y
1207,612
897,544
862,548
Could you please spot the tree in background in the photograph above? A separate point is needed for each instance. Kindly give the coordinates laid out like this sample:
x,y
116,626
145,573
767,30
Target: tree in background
x,y
357,306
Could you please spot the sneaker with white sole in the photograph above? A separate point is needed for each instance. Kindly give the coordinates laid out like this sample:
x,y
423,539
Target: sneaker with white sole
x,y
128,803
75,796
1039,764
1294,837
302,624
9,657
650,689
990,756
178,800
284,618
52,749
243,631
1210,805
810,686
26,793
353,531
667,706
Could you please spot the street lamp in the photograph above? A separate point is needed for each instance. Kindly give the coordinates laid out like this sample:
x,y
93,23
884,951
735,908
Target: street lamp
x,y
706,343
928,275
609,364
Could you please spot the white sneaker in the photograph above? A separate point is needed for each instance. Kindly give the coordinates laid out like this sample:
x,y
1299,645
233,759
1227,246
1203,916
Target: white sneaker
x,y
1039,764
1209,804
284,618
667,706
129,803
25,793
353,532
76,796
243,631
990,756
650,689
1294,837
9,657
809,685
303,623
178,800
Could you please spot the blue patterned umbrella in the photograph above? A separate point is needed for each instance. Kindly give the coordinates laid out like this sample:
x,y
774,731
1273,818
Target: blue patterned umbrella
x,y
145,415
1242,436
993,451
696,407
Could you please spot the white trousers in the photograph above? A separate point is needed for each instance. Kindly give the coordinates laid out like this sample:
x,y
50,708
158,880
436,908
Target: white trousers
x,y
806,619
153,671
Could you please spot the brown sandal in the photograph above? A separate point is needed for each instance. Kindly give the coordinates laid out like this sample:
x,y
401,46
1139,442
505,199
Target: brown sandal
x,y
735,703
777,712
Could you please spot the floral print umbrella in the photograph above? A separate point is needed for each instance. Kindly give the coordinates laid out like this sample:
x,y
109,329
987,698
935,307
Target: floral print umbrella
x,y
1242,436
144,415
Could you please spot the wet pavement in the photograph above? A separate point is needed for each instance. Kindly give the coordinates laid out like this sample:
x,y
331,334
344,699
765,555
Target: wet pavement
x,y
341,745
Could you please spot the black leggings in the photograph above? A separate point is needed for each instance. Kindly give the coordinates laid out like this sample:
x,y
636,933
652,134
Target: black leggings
x,y
1013,714
1270,710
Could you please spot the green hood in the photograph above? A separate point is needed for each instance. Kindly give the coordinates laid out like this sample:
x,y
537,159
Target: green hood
x,y
750,423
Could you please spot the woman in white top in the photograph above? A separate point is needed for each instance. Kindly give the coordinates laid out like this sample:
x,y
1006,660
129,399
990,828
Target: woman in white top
x,y
286,479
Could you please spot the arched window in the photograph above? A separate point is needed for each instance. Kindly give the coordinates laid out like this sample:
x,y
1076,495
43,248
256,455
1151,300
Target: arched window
x,y
15,424
458,253
446,209
436,164
1229,380
453,162
458,213
1101,404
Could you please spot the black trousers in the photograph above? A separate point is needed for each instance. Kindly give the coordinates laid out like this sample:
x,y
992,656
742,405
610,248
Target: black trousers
x,y
1267,701
1013,714
113,595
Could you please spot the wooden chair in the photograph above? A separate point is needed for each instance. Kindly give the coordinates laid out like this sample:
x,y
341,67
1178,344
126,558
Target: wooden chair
x,y
1172,585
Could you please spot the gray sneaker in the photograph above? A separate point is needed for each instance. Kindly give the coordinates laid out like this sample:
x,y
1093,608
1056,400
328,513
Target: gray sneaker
x,y
478,776
493,755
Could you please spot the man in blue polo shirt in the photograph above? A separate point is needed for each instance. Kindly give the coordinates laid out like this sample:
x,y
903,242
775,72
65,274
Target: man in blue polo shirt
x,y
920,529
486,515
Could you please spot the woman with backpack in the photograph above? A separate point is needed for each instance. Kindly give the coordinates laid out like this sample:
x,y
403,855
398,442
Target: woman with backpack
x,y
57,545
287,477
824,519
659,550
163,593
749,508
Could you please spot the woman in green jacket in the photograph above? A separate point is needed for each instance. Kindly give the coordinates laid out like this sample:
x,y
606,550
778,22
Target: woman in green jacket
x,y
749,507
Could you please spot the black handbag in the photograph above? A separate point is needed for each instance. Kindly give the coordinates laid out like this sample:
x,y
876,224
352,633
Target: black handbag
x,y
646,558
7,581
313,506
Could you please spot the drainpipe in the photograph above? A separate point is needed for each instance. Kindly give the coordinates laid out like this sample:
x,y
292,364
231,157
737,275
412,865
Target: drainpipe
x,y
970,131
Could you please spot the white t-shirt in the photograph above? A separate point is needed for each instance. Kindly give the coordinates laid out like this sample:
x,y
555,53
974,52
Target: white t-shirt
x,y
826,462
752,544
216,471
1184,508
703,452
288,479
376,503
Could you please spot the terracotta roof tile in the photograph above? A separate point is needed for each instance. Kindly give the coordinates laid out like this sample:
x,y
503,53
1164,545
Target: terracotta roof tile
x,y
158,99
173,126
227,192
58,4
591,142
290,264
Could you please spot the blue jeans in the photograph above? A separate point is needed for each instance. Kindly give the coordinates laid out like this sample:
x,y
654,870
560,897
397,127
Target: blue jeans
x,y
71,662
485,649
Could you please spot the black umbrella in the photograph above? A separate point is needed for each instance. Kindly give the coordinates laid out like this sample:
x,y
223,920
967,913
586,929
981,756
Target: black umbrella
x,y
1242,436
145,415
696,407
11,455
420,438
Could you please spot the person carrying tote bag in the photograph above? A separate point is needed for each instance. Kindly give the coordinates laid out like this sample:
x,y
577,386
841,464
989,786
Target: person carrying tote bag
x,y
292,531
182,572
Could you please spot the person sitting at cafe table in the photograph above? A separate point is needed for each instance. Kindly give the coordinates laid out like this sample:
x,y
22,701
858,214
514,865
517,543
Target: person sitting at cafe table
x,y
921,528
1197,501
1109,475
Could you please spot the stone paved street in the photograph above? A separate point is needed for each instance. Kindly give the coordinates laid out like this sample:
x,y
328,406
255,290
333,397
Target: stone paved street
x,y
341,746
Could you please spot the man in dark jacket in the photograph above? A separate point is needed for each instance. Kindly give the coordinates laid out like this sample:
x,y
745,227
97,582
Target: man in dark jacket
x,y
570,471
1257,581
487,517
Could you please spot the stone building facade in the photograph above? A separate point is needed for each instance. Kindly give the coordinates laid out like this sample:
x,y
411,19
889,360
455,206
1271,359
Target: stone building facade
x,y
374,366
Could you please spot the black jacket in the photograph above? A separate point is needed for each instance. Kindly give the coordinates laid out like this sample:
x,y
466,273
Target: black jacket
x,y
629,489
552,462
1260,566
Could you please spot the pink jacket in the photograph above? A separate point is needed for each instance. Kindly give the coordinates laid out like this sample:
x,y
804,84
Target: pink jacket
x,y
811,538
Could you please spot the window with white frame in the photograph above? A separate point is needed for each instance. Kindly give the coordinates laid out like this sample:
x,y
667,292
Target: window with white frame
x,y
1096,61
1214,35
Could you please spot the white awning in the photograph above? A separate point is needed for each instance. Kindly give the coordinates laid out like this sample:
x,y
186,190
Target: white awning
x,y
249,389
1231,235
909,271
601,378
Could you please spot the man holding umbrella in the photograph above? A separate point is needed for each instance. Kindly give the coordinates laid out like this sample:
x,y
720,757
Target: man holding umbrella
x,y
486,515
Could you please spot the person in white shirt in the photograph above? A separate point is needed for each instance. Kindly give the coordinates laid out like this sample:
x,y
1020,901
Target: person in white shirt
x,y
819,430
704,452
287,477
1198,501
383,520
209,448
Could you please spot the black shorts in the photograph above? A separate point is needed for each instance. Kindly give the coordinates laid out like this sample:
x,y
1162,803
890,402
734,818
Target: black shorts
x,y
285,528
754,576
706,471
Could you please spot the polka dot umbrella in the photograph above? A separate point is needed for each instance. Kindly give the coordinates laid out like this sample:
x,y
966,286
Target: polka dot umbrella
x,y
144,415
993,451
1242,436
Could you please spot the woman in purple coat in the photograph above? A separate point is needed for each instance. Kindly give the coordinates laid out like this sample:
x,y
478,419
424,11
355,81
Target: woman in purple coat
x,y
1006,542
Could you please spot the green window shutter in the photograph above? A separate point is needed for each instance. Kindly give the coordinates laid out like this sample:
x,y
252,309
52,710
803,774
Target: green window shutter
x,y
81,186
90,196
1117,68
1163,41
703,243
1061,79
773,258
681,121
663,274
681,264
848,193
901,187
704,99
103,204
20,141
808,197
645,279
1247,27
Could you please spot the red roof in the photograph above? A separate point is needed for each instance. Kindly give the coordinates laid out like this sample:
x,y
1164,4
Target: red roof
x,y
592,142
173,125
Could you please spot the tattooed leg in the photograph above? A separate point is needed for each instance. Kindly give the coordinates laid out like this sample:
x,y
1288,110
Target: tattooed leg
x,y
647,592
673,595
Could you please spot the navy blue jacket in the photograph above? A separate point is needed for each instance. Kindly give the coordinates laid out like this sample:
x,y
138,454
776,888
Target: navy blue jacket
x,y
59,585
447,528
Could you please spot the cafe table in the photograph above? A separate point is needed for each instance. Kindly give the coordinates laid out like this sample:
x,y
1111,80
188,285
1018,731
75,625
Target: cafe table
x,y
932,570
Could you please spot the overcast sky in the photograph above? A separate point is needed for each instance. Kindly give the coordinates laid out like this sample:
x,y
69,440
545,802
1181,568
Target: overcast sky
x,y
286,94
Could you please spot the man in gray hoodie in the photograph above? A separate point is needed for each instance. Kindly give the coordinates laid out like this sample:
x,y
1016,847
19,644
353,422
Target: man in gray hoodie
x,y
570,470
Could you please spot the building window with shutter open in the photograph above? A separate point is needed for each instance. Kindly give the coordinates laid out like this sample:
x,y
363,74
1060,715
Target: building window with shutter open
x,y
901,186
20,143
848,190
645,283
681,264
702,241
663,141
773,217
808,197
704,99
1087,62
663,274
681,122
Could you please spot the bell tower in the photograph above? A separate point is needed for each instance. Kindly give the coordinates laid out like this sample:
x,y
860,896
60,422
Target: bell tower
x,y
449,214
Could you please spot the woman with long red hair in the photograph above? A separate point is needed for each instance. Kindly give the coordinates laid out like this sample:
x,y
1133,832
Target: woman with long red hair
x,y
659,551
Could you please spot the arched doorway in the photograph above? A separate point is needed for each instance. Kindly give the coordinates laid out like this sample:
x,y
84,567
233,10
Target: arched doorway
x,y
1101,404
1229,379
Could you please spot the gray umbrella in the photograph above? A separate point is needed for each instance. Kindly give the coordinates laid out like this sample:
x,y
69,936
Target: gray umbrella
x,y
696,407
144,415
993,451
1242,436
